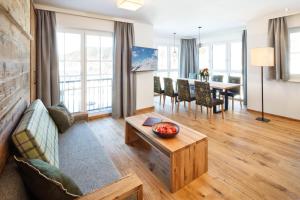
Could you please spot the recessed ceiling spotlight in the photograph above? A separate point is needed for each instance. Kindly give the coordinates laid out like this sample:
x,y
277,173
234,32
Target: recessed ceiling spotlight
x,y
132,5
287,9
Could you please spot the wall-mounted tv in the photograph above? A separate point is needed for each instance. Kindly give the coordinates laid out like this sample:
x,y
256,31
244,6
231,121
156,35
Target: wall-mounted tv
x,y
144,59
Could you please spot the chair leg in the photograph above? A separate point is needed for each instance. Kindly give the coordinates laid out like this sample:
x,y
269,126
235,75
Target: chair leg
x,y
241,103
222,109
189,106
232,103
164,101
196,109
210,113
201,109
172,102
207,111
178,104
159,99
184,104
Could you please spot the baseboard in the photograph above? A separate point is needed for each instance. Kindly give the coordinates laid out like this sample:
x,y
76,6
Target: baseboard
x,y
283,117
144,110
98,116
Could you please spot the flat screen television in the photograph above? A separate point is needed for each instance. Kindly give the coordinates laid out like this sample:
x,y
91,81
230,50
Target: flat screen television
x,y
144,59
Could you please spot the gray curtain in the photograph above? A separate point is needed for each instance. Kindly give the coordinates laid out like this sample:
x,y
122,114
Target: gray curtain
x,y
278,38
244,63
47,58
189,57
123,96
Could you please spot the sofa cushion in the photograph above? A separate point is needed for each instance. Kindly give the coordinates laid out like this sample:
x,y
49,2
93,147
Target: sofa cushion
x,y
61,116
84,159
45,181
36,136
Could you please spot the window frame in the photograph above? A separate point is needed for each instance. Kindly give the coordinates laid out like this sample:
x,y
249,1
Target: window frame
x,y
293,77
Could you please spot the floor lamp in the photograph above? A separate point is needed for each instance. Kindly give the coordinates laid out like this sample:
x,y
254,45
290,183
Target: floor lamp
x,y
262,57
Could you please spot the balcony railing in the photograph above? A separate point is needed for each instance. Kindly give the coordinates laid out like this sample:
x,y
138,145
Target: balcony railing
x,y
98,94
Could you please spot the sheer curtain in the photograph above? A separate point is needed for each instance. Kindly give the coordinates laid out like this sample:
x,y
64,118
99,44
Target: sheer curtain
x,y
123,96
188,57
278,38
47,58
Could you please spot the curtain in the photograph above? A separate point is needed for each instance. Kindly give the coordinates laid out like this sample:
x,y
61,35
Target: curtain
x,y
123,96
47,58
278,38
244,63
189,57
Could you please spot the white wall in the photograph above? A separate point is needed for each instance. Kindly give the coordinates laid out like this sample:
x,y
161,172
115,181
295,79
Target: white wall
x,y
143,37
281,98
144,80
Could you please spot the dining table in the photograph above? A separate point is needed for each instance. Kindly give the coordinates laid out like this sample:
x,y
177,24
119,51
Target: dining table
x,y
225,87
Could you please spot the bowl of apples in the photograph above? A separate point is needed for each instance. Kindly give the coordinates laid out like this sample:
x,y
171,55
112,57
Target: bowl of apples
x,y
165,129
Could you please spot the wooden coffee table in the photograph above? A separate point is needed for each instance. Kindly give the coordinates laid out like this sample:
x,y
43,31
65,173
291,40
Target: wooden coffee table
x,y
187,152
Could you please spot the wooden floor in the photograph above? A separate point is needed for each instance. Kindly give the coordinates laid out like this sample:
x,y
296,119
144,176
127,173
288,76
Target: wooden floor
x,y
247,159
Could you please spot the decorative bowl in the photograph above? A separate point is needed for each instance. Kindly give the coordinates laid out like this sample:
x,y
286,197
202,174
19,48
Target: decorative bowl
x,y
165,129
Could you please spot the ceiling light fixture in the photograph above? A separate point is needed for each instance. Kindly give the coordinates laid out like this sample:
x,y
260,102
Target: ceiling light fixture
x,y
132,5
174,48
199,45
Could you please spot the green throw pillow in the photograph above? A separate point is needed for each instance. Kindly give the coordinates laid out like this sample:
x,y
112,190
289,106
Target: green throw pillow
x,y
61,116
45,181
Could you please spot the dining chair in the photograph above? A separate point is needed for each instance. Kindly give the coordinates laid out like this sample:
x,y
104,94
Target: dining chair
x,y
184,93
193,75
157,88
169,91
217,78
204,98
234,91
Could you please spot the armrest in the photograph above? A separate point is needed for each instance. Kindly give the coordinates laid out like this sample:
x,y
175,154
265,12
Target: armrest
x,y
80,116
121,189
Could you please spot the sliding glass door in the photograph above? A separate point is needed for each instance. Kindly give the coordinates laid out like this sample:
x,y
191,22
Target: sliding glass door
x,y
85,70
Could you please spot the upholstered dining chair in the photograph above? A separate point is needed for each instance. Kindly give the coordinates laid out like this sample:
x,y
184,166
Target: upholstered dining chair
x,y
184,93
234,91
204,98
217,78
157,88
169,91
192,75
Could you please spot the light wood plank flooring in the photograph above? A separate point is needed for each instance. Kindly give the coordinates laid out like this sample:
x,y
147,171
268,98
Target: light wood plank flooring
x,y
247,159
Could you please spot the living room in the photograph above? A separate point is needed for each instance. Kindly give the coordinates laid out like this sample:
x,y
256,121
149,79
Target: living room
x,y
148,99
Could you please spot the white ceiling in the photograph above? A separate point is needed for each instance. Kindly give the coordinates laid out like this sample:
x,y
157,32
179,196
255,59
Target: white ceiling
x,y
184,16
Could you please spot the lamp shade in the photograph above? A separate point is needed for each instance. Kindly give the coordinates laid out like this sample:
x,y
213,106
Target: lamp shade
x,y
262,57
130,4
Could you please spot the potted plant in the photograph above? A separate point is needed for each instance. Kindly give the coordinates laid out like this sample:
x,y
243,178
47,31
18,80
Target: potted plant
x,y
204,74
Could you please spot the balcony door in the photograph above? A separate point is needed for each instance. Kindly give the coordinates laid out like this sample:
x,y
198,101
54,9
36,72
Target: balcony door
x,y
85,70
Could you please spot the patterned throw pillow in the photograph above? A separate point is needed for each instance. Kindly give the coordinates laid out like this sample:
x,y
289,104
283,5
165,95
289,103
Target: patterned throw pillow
x,y
36,136
45,181
61,116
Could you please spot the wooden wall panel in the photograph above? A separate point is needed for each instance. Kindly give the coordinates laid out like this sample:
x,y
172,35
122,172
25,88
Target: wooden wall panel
x,y
14,66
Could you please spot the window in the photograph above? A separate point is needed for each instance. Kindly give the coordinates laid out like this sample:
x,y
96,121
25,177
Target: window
x,y
204,56
294,56
219,57
85,70
236,56
222,58
168,61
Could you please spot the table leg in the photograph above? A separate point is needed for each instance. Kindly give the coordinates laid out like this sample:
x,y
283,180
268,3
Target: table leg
x,y
226,100
130,135
214,96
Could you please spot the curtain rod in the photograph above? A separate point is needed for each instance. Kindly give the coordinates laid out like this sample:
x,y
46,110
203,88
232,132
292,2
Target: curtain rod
x,y
80,13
